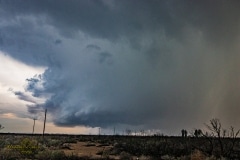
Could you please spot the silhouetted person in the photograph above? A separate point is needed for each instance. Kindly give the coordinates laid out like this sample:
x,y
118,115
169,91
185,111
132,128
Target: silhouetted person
x,y
184,133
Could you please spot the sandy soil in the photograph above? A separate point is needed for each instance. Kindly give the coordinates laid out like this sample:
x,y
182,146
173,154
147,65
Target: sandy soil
x,y
83,149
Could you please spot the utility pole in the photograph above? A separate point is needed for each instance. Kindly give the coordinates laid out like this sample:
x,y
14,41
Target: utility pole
x,y
99,131
114,131
44,122
33,125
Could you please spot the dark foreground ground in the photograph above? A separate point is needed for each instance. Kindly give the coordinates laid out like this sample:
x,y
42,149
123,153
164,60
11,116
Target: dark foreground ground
x,y
85,147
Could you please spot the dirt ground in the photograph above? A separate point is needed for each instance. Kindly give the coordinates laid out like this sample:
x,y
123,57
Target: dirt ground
x,y
83,149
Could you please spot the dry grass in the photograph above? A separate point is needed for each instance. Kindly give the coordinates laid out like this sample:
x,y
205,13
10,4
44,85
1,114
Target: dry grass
x,y
197,155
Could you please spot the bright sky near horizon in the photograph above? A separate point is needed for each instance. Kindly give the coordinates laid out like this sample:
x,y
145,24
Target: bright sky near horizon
x,y
13,111
161,65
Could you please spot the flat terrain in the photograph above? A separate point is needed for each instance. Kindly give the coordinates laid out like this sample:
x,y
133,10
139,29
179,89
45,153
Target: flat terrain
x,y
54,146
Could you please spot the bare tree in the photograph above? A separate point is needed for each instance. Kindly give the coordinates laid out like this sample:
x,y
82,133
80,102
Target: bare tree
x,y
197,132
215,127
220,134
233,135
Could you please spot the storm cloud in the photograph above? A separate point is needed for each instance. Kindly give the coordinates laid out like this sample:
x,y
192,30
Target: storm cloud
x,y
143,63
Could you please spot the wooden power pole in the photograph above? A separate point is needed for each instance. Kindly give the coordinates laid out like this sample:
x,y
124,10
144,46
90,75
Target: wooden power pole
x,y
33,125
44,122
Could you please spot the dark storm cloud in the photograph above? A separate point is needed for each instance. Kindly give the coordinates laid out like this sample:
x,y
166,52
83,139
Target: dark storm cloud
x,y
174,64
69,16
36,109
104,56
93,46
24,97
35,85
26,41
58,41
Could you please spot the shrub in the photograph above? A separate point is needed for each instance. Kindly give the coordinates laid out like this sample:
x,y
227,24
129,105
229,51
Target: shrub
x,y
125,156
53,155
7,153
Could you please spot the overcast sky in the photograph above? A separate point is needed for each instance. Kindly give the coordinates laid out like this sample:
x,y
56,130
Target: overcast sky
x,y
139,64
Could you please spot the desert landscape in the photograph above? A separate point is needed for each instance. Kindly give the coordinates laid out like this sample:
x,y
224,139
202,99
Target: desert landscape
x,y
119,147
119,79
